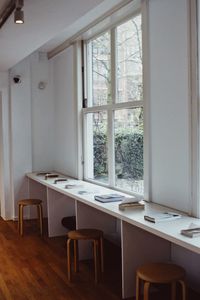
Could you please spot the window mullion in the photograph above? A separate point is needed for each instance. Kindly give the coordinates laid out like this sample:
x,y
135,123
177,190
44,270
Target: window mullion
x,y
113,65
85,148
111,147
111,156
89,75
121,105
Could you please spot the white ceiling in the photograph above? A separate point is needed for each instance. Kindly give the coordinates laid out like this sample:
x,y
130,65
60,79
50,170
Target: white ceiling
x,y
47,22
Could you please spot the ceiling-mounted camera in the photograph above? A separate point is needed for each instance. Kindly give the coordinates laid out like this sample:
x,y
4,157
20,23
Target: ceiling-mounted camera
x,y
17,79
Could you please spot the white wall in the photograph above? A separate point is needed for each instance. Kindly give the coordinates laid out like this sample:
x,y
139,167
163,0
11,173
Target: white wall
x,y
42,113
170,116
5,179
32,123
21,129
65,113
169,103
43,122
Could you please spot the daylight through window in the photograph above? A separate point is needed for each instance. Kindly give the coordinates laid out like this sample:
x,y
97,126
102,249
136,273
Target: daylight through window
x,y
113,118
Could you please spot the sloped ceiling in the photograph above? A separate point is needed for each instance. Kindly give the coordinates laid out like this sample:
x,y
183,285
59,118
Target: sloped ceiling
x,y
44,20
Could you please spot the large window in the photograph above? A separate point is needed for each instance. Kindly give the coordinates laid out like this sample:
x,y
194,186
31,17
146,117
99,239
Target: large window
x,y
113,118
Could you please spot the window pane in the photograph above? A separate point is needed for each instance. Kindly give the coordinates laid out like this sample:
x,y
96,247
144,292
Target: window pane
x,y
129,61
128,130
101,77
96,147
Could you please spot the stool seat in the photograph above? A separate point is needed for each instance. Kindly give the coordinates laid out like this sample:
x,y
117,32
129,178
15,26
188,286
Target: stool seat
x,y
29,202
90,234
165,273
85,234
25,202
160,272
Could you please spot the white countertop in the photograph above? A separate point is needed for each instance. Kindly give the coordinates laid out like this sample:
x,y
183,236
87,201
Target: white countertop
x,y
169,230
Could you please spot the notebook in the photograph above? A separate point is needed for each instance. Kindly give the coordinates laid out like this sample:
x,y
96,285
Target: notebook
x,y
192,231
131,203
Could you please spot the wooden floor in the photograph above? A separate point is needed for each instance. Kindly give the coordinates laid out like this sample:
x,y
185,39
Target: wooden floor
x,y
35,268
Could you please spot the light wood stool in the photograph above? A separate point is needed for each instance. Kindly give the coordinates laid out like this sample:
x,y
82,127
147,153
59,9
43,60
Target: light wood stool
x,y
160,273
96,236
26,202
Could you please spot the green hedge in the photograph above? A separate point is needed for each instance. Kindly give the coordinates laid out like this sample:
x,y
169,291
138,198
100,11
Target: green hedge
x,y
100,154
128,155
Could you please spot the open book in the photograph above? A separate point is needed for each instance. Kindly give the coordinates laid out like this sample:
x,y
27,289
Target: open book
x,y
156,217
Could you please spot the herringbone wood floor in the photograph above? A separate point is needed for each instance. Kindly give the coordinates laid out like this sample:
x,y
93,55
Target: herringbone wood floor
x,y
34,268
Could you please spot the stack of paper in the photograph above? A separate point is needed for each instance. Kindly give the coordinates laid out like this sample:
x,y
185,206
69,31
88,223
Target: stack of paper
x,y
109,198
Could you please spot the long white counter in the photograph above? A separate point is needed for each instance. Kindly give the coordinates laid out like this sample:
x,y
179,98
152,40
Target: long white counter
x,y
141,241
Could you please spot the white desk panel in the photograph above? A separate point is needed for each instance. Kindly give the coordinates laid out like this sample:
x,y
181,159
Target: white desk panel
x,y
167,230
141,240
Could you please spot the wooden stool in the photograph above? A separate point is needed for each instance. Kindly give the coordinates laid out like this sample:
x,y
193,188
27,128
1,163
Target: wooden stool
x,y
160,273
85,234
26,202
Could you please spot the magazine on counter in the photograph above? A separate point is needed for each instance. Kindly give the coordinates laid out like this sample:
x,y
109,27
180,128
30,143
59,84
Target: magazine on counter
x,y
156,217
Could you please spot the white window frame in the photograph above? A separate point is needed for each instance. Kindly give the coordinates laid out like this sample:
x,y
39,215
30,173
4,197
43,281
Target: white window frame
x,y
110,108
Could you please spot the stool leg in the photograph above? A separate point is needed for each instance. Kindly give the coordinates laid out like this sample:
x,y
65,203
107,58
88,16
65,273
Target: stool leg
x,y
76,260
19,216
183,285
40,217
146,290
137,287
95,242
173,290
102,254
68,260
21,219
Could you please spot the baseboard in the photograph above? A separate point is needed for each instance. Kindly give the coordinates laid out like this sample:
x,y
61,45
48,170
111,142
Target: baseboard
x,y
24,217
